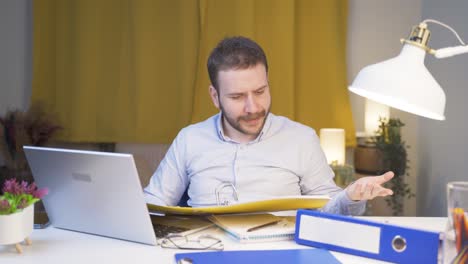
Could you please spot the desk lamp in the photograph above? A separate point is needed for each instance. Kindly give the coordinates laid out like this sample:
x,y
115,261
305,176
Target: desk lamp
x,y
404,82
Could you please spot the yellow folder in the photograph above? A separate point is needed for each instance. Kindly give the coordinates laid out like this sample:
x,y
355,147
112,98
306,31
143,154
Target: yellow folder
x,y
283,203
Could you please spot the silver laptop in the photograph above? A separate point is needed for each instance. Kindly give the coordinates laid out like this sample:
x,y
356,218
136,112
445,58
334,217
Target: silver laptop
x,y
92,192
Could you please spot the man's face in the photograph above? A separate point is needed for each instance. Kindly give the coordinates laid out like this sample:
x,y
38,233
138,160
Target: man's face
x,y
244,99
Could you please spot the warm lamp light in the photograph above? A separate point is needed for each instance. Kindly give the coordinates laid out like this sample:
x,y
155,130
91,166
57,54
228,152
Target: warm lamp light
x,y
404,82
332,141
373,113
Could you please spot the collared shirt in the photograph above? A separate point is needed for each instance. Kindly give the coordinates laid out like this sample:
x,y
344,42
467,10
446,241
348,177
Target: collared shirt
x,y
285,159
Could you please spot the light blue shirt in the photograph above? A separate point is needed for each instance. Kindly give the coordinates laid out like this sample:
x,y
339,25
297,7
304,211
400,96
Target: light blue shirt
x,y
285,159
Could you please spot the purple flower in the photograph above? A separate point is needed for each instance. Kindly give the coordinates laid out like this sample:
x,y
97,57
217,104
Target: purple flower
x,y
36,192
20,195
30,189
12,186
15,188
23,186
39,193
4,205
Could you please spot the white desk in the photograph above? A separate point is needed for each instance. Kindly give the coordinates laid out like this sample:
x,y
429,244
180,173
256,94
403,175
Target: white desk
x,y
52,245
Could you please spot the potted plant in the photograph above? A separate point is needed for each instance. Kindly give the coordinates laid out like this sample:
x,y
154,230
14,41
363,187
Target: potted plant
x,y
18,128
392,151
17,211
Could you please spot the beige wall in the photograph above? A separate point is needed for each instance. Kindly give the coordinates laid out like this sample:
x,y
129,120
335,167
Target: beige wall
x,y
15,55
444,144
374,31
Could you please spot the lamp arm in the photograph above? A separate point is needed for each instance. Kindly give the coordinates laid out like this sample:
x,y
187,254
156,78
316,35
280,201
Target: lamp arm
x,y
449,51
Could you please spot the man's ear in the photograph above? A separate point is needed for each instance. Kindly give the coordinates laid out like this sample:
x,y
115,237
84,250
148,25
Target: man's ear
x,y
214,96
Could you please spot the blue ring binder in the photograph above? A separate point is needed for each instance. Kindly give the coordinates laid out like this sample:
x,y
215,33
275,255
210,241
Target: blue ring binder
x,y
366,238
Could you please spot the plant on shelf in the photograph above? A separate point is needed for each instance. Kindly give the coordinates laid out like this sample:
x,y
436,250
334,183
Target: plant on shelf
x,y
18,128
394,158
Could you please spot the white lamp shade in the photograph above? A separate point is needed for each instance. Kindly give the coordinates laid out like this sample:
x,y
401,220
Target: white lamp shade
x,y
373,112
332,141
404,83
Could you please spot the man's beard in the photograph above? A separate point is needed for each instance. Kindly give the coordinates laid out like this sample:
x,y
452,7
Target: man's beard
x,y
236,122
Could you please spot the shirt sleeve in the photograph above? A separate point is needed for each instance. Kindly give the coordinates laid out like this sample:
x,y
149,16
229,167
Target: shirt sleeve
x,y
341,204
317,179
170,180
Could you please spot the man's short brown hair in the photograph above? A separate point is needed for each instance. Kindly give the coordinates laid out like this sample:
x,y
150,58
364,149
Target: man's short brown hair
x,y
234,53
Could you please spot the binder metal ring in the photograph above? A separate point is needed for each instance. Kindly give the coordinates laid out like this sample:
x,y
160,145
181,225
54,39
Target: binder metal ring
x,y
399,244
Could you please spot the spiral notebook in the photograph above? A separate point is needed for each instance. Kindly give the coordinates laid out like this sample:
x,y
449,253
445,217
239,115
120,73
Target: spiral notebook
x,y
256,227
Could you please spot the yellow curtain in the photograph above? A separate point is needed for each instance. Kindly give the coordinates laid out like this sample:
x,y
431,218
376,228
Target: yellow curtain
x,y
135,70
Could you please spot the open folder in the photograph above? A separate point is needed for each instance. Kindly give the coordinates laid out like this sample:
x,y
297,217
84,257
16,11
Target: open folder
x,y
282,203
296,256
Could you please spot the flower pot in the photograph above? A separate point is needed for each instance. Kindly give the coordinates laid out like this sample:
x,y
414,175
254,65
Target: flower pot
x,y
17,227
368,160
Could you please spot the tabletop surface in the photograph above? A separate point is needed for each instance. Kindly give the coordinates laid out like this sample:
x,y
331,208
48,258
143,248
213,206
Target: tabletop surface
x,y
53,245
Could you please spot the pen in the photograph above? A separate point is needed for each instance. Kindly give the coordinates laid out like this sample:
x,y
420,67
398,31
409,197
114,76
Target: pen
x,y
263,225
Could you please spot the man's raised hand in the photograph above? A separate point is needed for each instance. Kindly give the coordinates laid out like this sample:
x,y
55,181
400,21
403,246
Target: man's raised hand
x,y
367,188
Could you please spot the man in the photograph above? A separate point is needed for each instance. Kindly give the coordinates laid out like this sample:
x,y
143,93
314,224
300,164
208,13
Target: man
x,y
247,153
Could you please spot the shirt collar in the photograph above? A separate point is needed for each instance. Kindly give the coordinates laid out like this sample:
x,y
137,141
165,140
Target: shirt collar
x,y
219,127
222,136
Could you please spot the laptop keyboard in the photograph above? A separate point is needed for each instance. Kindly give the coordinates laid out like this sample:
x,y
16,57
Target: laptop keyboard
x,y
164,230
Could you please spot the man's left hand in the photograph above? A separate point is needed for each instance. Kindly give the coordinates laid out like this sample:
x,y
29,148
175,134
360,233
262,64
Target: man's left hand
x,y
367,188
